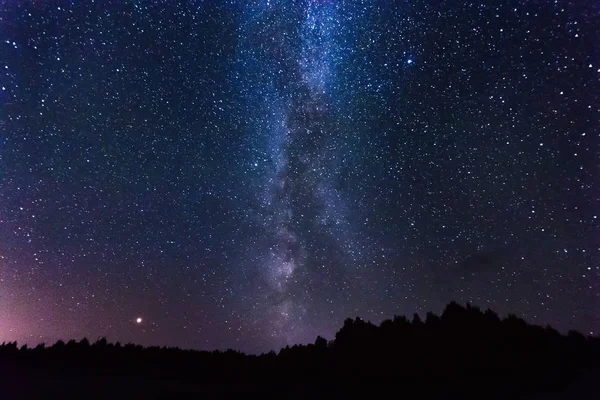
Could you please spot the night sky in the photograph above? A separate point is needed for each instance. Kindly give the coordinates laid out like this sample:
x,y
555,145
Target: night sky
x,y
248,174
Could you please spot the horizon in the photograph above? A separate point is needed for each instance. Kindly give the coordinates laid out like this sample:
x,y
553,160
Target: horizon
x,y
410,319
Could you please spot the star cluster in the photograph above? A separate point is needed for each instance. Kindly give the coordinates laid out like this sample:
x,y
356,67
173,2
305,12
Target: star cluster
x,y
215,174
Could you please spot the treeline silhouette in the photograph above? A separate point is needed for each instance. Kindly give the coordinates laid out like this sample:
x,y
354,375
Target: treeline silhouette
x,y
465,350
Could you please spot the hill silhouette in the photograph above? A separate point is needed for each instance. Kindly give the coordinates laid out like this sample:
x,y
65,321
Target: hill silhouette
x,y
464,351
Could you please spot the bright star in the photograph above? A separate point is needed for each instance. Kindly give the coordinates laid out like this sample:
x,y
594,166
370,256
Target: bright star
x,y
138,320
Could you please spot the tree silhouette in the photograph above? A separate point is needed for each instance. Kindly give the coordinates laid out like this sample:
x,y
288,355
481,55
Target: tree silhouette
x,y
460,351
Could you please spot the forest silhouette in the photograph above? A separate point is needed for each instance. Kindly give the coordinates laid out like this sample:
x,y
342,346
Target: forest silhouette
x,y
464,351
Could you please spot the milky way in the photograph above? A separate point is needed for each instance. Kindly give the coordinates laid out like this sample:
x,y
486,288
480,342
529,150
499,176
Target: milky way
x,y
249,174
301,205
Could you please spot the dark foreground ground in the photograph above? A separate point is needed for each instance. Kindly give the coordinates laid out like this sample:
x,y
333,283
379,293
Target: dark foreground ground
x,y
29,386
464,353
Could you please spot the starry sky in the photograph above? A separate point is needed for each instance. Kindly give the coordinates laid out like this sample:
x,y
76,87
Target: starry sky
x,y
248,174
